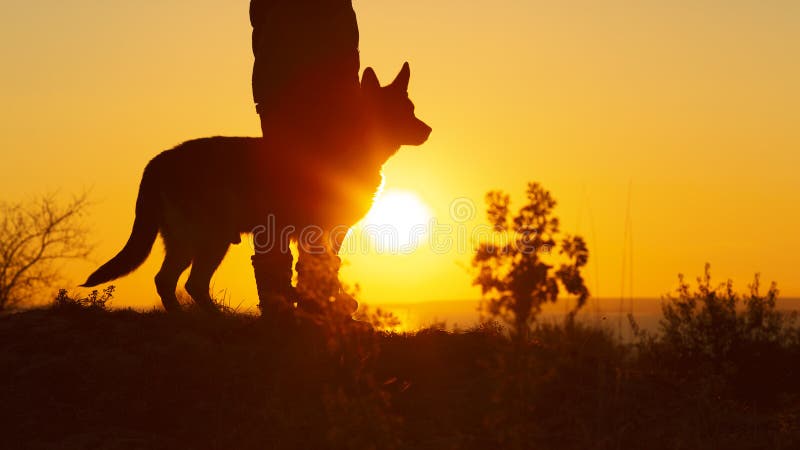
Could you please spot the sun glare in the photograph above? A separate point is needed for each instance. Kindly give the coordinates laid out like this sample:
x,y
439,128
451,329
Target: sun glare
x,y
397,218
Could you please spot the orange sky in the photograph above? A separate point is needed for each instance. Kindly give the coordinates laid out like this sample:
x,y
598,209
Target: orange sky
x,y
692,103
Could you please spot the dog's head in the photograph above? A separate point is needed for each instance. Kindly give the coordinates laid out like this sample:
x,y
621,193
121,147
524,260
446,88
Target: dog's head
x,y
391,111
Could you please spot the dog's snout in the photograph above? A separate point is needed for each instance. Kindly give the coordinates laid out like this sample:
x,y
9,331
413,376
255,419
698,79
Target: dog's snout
x,y
424,131
428,130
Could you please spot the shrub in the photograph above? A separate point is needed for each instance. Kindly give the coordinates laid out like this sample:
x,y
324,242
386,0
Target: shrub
x,y
95,300
515,268
742,342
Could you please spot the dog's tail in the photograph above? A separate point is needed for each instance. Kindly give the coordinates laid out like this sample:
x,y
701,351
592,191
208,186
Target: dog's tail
x,y
143,235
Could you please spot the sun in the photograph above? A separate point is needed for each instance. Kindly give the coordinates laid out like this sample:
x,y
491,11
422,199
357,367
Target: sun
x,y
398,219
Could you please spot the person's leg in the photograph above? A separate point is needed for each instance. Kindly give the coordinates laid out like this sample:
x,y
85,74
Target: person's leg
x,y
305,80
273,273
318,285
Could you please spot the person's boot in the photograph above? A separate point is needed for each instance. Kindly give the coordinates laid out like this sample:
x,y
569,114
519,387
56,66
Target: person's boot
x,y
319,289
273,273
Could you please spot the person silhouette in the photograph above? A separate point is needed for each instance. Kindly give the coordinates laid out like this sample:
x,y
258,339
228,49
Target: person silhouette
x,y
306,88
306,64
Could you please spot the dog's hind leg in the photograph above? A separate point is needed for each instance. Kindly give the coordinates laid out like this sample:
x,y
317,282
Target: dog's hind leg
x,y
175,262
204,265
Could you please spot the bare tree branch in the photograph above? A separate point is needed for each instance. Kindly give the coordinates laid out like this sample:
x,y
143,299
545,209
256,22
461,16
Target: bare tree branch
x,y
34,236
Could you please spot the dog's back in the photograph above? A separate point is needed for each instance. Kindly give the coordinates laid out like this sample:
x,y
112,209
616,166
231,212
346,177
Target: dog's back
x,y
240,182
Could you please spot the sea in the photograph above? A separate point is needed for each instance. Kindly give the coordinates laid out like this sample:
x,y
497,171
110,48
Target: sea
x,y
609,313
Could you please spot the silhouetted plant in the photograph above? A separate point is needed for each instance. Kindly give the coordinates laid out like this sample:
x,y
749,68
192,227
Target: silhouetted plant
x,y
34,237
726,344
94,300
380,319
711,323
512,268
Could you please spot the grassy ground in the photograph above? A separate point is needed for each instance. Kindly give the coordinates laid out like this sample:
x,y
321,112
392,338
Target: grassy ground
x,y
82,377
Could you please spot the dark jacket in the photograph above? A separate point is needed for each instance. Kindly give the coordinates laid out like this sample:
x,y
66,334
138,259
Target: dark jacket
x,y
306,55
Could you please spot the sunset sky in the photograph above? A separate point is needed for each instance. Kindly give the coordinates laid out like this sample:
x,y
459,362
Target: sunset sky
x,y
692,107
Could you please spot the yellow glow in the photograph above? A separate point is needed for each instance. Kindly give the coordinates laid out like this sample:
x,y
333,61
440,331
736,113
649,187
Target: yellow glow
x,y
399,218
691,104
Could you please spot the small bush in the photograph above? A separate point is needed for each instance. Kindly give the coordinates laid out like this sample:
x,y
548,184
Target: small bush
x,y
740,343
95,300
379,319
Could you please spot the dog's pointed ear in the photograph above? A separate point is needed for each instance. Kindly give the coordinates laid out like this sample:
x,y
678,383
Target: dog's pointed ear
x,y
370,80
401,82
